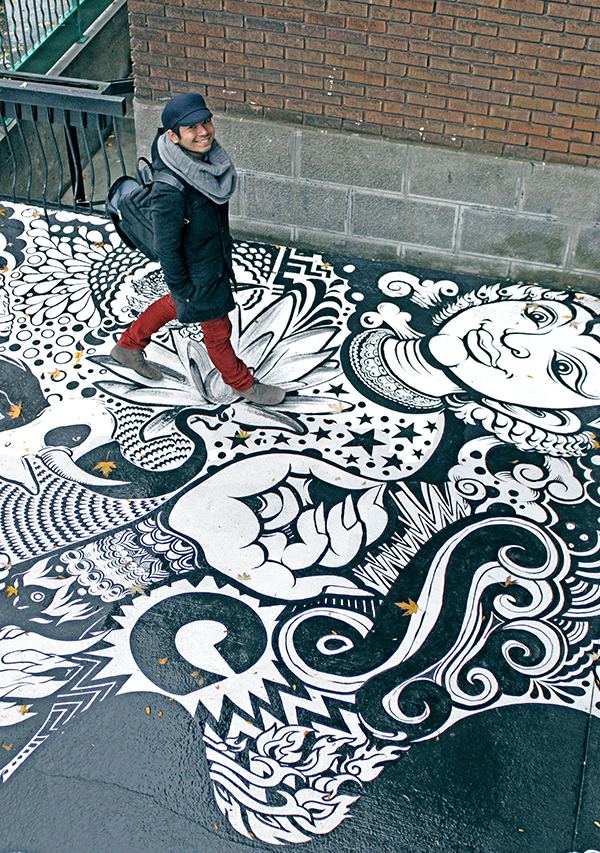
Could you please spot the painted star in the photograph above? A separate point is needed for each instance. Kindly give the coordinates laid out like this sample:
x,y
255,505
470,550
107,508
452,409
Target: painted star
x,y
282,439
321,433
365,419
337,390
393,461
407,432
432,427
239,438
351,459
417,453
366,440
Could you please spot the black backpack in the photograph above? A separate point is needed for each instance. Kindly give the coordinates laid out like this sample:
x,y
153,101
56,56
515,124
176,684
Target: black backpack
x,y
129,205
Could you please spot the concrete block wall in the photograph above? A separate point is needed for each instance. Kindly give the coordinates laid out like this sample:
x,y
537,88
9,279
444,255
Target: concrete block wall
x,y
422,204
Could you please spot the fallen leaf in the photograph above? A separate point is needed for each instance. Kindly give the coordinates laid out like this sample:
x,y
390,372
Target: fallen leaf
x,y
336,408
55,374
195,674
510,580
163,660
148,709
596,822
242,434
160,713
23,710
244,577
106,467
98,245
15,410
409,607
7,747
78,355
200,681
594,656
11,590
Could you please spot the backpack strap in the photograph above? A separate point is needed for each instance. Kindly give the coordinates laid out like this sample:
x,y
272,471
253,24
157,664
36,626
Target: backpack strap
x,y
147,176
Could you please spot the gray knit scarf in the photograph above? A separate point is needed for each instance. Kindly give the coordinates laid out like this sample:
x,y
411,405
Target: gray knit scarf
x,y
216,179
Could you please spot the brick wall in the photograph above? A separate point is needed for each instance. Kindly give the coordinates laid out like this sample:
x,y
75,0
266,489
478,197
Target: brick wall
x,y
505,77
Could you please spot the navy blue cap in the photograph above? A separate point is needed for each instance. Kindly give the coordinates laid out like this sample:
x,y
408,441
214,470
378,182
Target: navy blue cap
x,y
185,110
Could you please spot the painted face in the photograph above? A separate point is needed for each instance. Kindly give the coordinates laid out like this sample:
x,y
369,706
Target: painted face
x,y
534,354
196,139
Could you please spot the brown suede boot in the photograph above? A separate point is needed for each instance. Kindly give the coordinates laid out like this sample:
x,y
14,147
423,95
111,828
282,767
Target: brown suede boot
x,y
135,359
263,395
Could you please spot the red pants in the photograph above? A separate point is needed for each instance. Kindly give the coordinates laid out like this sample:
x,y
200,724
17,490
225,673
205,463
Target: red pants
x,y
217,339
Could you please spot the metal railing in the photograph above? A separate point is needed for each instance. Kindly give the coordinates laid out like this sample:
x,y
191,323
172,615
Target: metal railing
x,y
26,24
60,139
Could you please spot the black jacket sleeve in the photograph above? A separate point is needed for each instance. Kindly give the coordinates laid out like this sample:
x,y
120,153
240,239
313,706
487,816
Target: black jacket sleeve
x,y
168,221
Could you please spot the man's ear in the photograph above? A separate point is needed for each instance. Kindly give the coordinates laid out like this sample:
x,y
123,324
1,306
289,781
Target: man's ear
x,y
173,136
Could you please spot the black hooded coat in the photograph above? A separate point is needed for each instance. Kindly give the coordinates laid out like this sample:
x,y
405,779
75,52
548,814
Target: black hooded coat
x,y
194,245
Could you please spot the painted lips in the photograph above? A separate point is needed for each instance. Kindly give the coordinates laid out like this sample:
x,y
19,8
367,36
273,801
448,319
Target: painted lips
x,y
482,348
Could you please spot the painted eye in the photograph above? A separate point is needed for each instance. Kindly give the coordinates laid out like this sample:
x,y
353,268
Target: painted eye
x,y
37,597
568,371
540,315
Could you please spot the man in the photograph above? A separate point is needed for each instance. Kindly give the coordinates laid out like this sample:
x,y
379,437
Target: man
x,y
193,244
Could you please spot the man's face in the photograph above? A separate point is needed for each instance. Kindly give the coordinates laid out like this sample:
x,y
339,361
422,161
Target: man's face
x,y
196,139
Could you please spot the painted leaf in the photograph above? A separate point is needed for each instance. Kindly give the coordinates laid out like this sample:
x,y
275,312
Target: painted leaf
x,y
409,607
106,467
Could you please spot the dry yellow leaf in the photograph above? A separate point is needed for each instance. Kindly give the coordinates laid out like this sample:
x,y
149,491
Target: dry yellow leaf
x,y
148,709
409,607
336,408
23,710
106,467
15,410
163,660
6,746
55,374
11,590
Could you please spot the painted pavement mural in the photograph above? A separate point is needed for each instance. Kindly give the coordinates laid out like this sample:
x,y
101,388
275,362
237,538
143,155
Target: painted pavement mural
x,y
409,539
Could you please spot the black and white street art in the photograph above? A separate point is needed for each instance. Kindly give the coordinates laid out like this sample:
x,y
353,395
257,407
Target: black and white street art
x,y
409,539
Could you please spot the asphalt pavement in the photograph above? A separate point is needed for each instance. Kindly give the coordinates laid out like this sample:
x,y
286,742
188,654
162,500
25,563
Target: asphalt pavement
x,y
366,619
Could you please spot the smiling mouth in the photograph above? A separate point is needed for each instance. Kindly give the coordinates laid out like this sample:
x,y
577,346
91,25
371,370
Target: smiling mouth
x,y
480,346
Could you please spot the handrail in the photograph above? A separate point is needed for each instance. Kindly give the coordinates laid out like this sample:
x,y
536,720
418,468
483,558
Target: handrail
x,y
39,167
26,24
